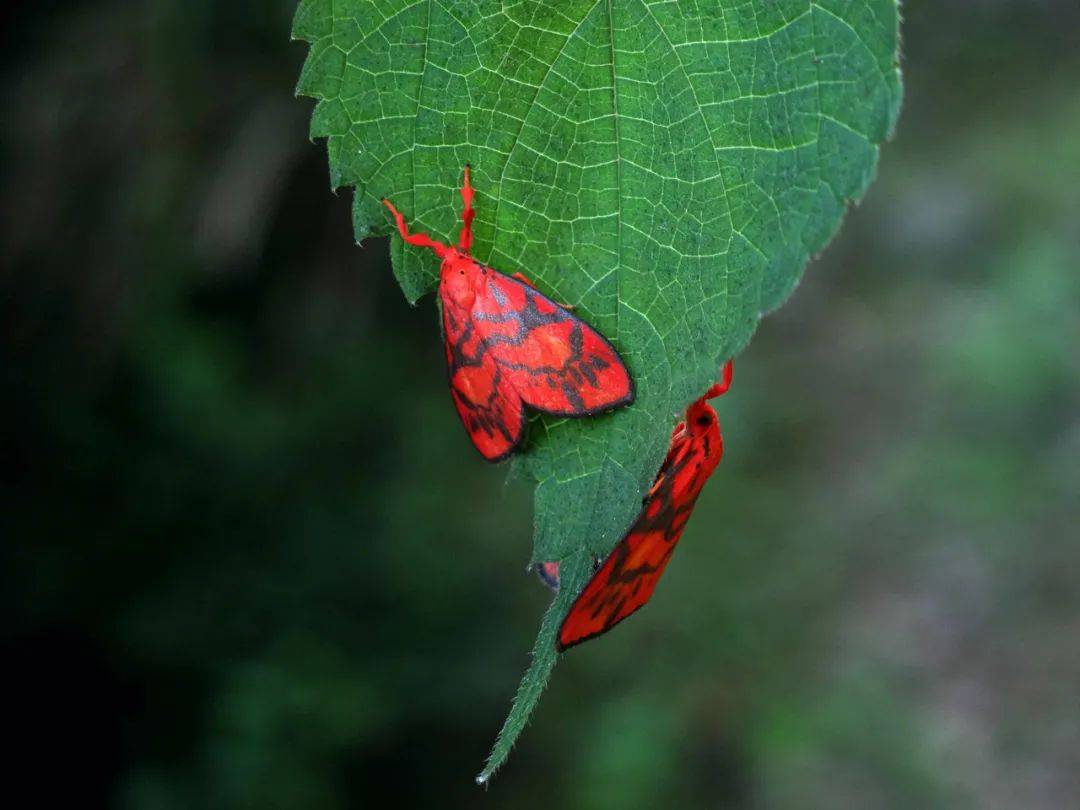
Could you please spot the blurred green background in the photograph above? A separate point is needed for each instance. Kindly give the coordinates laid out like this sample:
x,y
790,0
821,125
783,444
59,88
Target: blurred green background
x,y
250,561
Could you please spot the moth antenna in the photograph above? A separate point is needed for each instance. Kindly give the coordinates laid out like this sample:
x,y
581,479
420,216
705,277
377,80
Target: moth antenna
x,y
467,211
724,384
418,239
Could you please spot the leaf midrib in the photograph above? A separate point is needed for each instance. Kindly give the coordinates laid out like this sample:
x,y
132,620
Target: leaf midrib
x,y
524,118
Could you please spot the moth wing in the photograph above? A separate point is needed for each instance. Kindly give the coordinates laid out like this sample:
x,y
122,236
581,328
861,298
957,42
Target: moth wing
x,y
548,572
556,362
622,585
490,408
625,581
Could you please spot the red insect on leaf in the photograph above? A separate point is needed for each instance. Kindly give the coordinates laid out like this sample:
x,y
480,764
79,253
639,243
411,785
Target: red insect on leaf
x,y
626,579
508,346
548,572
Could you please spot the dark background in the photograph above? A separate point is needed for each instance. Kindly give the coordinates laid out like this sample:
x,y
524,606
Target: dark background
x,y
249,560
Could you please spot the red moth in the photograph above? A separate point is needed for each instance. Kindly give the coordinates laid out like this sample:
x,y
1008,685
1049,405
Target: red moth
x,y
508,346
626,579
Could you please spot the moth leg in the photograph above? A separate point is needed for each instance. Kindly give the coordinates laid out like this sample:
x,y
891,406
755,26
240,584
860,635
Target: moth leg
x,y
655,487
418,239
467,213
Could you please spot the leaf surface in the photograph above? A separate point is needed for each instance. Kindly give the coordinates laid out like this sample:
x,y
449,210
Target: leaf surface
x,y
666,167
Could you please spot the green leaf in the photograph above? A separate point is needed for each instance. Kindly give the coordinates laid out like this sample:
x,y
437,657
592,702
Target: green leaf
x,y
666,167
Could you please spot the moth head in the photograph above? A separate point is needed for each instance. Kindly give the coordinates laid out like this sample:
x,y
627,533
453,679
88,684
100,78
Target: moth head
x,y
700,418
458,280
